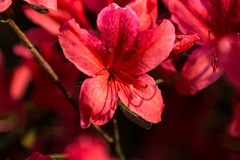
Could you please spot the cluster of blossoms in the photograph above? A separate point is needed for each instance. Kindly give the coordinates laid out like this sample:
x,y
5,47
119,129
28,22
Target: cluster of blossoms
x,y
112,60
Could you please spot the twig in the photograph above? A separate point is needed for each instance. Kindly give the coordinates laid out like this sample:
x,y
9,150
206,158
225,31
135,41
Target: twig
x,y
50,71
41,61
117,140
104,134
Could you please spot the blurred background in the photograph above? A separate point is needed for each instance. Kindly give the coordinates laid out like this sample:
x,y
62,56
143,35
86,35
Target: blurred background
x,y
198,127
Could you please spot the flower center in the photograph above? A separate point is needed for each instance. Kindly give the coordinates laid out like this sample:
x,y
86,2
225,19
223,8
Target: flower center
x,y
136,91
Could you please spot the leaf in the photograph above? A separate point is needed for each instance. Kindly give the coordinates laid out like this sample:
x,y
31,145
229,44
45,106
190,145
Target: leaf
x,y
135,118
58,156
39,9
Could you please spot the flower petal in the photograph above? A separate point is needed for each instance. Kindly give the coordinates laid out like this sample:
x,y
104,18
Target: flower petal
x,y
146,101
230,46
191,16
82,48
167,70
97,100
50,4
183,43
39,35
147,11
197,73
118,28
151,47
52,20
20,81
44,20
4,5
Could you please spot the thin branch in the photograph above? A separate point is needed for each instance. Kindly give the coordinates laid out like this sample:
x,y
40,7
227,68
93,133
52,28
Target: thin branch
x,y
104,134
43,63
117,140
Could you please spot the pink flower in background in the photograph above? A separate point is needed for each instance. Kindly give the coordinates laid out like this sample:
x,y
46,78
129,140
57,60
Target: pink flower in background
x,y
45,94
87,147
234,126
38,156
147,10
67,9
51,4
218,44
4,5
11,111
117,63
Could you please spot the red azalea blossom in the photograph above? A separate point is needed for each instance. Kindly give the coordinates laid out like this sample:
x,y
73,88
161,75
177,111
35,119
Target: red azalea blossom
x,y
86,147
117,63
51,4
67,9
218,44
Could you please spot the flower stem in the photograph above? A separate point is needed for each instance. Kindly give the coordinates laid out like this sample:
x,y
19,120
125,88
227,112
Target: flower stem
x,y
103,133
43,63
117,140
41,60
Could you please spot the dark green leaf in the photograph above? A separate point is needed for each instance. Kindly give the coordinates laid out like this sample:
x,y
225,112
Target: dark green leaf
x,y
39,9
135,118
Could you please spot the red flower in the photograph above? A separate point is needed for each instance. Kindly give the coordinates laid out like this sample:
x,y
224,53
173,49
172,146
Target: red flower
x,y
51,4
67,9
87,147
217,23
117,63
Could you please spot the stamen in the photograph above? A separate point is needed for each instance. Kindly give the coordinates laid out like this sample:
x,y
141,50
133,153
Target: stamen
x,y
132,92
129,96
214,62
209,36
131,78
95,74
151,97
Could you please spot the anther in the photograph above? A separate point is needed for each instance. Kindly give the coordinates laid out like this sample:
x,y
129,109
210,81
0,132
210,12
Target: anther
x,y
109,50
214,62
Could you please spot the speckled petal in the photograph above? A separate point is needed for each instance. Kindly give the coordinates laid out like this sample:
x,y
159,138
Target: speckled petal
x,y
150,48
118,28
82,48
